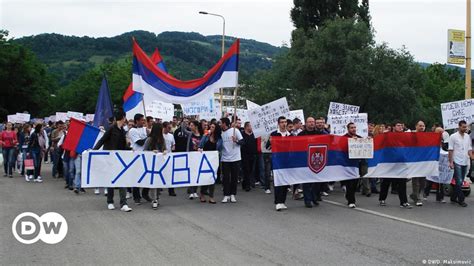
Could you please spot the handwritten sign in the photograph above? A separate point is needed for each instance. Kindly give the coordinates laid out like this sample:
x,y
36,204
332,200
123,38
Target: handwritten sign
x,y
445,173
297,114
339,124
361,148
264,119
251,105
148,169
453,112
342,109
242,114
198,107
89,118
12,119
76,115
22,117
159,109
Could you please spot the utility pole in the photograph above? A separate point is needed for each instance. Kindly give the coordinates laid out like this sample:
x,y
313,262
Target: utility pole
x,y
468,50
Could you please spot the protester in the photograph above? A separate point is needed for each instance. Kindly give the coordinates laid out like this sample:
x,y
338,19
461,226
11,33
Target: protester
x,y
37,147
351,184
460,152
24,140
249,154
170,147
138,136
114,139
440,186
8,142
399,183
418,183
280,191
194,138
231,157
156,143
210,142
56,135
312,191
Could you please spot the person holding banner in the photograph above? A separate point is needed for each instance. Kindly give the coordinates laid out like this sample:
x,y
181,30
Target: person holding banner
x,y
351,184
460,151
170,146
249,156
312,191
231,141
210,142
138,136
8,142
115,139
418,183
280,191
194,138
156,143
399,183
440,189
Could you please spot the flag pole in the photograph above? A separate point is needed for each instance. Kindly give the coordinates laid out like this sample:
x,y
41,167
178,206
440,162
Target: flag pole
x,y
235,108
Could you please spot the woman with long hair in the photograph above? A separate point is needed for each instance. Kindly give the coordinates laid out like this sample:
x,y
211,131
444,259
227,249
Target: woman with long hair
x,y
24,140
210,142
8,142
156,143
194,140
37,146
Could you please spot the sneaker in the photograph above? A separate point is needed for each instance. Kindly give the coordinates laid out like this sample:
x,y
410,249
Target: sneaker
x,y
27,178
382,203
196,195
137,202
278,207
331,187
463,204
39,179
325,194
82,190
441,201
111,206
128,196
419,203
106,191
344,189
10,176
97,191
76,191
225,199
268,191
154,204
232,199
125,208
352,206
191,196
257,183
283,206
406,205
308,204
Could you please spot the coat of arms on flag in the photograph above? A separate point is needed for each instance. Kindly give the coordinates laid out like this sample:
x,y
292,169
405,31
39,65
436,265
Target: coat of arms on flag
x,y
317,157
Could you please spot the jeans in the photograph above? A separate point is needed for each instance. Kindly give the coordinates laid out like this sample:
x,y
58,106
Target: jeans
x,y
8,160
248,165
70,173
399,184
77,166
439,191
57,162
417,184
459,174
311,192
122,192
231,173
36,155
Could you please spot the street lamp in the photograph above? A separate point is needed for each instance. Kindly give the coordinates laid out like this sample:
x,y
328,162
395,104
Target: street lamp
x,y
223,44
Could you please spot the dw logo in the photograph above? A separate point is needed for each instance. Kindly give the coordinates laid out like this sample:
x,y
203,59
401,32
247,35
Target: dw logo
x,y
28,228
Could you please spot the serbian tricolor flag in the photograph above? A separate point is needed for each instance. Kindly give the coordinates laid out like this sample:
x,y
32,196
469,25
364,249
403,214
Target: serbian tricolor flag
x,y
132,100
307,159
154,84
405,155
81,136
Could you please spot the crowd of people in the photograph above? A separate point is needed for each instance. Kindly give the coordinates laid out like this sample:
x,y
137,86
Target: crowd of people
x,y
245,159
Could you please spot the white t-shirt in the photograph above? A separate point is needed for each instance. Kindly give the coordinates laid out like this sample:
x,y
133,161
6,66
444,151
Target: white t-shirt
x,y
169,141
230,149
460,145
135,135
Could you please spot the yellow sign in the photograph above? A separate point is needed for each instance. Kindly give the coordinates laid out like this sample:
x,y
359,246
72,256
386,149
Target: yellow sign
x,y
456,47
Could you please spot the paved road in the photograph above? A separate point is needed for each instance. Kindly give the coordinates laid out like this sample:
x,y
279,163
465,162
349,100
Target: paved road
x,y
249,232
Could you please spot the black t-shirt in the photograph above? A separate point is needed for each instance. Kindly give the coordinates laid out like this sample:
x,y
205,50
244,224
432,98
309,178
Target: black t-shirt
x,y
210,146
250,144
181,139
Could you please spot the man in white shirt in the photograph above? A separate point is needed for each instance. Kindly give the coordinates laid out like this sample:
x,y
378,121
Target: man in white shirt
x,y
138,136
460,152
231,141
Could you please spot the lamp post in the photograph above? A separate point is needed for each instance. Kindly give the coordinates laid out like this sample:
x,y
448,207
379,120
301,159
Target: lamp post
x,y
223,46
468,50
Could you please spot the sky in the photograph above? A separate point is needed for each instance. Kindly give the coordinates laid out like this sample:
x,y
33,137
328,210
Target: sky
x,y
419,25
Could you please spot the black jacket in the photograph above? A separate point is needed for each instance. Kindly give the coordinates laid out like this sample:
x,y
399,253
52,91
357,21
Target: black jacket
x,y
113,139
250,144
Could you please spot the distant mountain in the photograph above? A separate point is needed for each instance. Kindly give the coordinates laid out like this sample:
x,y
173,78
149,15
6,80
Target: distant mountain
x,y
462,70
186,55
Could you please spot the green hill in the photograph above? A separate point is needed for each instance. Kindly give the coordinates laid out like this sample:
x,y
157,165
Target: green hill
x,y
186,55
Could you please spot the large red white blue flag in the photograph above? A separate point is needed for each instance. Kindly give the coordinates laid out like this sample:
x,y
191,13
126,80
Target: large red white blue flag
x,y
307,159
155,84
405,155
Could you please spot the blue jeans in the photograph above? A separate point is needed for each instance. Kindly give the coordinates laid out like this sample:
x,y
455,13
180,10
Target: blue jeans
x,y
8,160
459,174
36,155
77,166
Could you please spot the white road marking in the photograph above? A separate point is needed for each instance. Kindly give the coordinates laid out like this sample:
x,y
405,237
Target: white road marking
x,y
434,227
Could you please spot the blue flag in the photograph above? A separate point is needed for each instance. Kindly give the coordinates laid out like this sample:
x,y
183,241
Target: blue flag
x,y
103,108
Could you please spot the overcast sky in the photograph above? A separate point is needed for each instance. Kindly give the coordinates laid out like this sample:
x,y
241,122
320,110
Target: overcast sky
x,y
420,25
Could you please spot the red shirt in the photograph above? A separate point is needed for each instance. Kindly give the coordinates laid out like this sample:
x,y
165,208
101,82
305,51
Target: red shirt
x,y
8,139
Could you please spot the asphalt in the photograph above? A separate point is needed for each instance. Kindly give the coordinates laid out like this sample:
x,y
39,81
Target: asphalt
x,y
249,232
